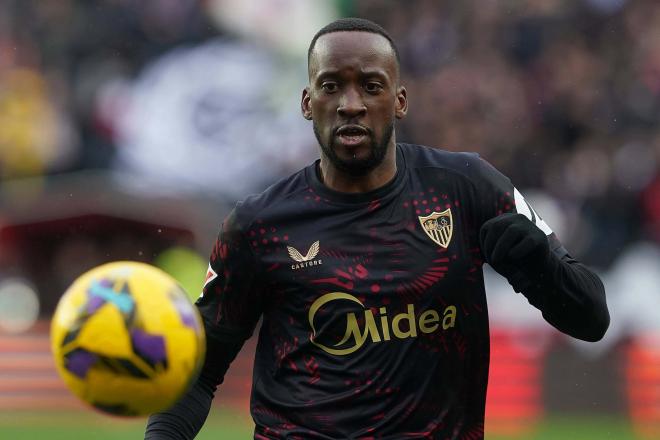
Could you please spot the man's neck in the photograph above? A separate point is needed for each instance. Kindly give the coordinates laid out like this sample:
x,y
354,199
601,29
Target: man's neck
x,y
346,183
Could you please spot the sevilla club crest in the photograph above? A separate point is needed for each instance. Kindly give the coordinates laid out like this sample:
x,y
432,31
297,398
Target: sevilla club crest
x,y
438,226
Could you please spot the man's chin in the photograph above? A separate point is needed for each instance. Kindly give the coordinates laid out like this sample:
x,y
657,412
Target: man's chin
x,y
354,160
356,166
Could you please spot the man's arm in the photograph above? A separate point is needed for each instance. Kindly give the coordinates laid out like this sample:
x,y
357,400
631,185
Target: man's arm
x,y
570,296
184,420
230,305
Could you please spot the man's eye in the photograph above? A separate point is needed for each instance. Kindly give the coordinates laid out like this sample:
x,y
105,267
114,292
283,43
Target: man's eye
x,y
329,86
373,87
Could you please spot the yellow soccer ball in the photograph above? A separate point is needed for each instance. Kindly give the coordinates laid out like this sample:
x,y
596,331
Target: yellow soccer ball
x,y
126,339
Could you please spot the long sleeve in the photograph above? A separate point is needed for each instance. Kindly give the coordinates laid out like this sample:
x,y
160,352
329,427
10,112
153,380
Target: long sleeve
x,y
184,420
230,305
570,296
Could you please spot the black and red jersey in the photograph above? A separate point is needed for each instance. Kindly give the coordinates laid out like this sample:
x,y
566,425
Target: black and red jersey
x,y
374,314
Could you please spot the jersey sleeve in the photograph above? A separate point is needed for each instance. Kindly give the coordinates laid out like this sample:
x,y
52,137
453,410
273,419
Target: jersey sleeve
x,y
497,195
232,298
569,295
230,305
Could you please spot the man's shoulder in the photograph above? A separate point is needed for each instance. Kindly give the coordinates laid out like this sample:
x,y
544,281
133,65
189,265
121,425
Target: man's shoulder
x,y
468,164
256,206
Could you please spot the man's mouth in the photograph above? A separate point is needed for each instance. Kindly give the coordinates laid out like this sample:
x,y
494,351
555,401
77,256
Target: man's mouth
x,y
352,135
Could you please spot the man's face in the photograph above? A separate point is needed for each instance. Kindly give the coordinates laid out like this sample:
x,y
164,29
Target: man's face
x,y
353,98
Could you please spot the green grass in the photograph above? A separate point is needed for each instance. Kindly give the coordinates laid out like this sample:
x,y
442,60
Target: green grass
x,y
578,428
224,425
73,425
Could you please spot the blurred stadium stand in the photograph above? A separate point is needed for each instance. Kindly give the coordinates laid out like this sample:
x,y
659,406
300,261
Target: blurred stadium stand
x,y
29,381
128,128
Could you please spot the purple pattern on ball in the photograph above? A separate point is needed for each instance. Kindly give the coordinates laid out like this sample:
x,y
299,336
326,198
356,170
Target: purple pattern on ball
x,y
94,303
185,312
152,347
187,317
80,362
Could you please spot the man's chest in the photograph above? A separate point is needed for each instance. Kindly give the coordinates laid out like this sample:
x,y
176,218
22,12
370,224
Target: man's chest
x,y
415,245
394,270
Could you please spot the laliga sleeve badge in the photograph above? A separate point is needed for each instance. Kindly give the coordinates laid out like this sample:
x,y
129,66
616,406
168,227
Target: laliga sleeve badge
x,y
210,275
438,226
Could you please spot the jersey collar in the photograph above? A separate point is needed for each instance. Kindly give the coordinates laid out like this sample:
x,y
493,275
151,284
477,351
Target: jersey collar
x,y
390,188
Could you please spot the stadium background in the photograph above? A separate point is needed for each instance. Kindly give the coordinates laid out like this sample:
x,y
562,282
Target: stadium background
x,y
128,128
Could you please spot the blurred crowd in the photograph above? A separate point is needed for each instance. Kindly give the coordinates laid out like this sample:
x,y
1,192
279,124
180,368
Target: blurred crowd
x,y
562,96
55,59
129,127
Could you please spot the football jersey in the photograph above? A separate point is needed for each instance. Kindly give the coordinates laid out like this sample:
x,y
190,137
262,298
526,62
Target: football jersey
x,y
373,308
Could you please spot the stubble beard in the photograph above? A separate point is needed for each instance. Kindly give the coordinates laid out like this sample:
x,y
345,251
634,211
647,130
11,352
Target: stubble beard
x,y
356,167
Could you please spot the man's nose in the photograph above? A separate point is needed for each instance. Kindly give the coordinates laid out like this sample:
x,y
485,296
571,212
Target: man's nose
x,y
351,104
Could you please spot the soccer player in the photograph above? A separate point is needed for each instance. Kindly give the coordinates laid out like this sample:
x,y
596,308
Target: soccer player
x,y
366,269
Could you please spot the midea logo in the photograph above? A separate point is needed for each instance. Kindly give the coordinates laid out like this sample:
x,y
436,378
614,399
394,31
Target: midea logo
x,y
379,330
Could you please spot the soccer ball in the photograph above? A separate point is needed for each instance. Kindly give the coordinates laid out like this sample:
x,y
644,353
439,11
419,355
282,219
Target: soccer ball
x,y
126,339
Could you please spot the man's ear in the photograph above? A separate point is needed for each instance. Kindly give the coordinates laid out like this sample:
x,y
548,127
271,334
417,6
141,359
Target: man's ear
x,y
401,103
305,105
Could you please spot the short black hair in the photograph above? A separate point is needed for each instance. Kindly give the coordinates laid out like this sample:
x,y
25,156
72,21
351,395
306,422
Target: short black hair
x,y
353,24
